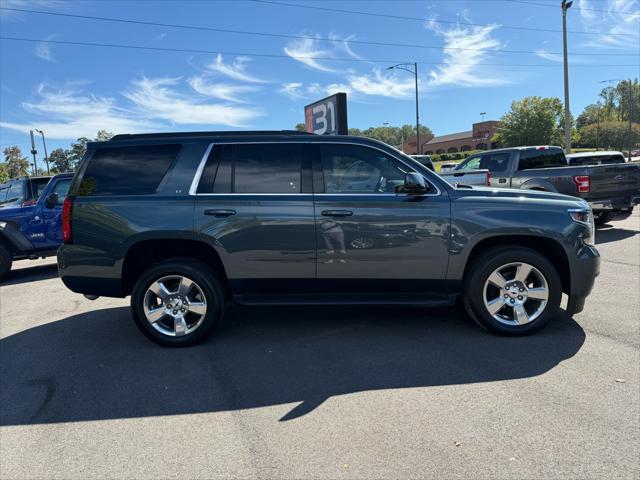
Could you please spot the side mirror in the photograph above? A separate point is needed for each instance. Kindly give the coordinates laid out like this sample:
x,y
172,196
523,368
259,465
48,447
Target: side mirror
x,y
51,201
414,184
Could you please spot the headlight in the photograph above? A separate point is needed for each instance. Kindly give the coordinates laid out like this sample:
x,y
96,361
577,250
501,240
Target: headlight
x,y
585,217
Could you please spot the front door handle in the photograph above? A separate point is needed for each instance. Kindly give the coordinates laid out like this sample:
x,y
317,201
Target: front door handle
x,y
337,213
219,212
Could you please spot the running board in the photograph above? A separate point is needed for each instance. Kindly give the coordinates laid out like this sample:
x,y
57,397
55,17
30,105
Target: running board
x,y
345,299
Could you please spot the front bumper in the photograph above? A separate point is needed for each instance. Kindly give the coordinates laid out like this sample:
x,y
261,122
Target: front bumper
x,y
585,267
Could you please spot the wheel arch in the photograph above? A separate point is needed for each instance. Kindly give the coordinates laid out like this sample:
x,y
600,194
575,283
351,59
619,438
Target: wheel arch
x,y
547,247
145,253
538,184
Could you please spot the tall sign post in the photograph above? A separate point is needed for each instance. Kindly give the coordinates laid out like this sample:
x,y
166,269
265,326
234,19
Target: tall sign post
x,y
327,116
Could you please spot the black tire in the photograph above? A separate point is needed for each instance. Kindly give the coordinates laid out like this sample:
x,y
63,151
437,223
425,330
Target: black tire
x,y
485,264
600,217
204,277
6,260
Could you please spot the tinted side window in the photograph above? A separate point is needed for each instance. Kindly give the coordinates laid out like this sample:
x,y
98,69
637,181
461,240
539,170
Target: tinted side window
x,y
267,168
357,169
134,170
495,162
547,158
15,192
472,163
37,187
61,189
3,194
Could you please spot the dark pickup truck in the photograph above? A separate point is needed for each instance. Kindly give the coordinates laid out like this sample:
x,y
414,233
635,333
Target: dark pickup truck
x,y
31,218
185,222
611,189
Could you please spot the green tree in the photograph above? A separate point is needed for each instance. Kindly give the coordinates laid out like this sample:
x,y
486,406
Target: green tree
x,y
103,136
532,121
610,135
301,127
60,161
4,173
16,164
77,151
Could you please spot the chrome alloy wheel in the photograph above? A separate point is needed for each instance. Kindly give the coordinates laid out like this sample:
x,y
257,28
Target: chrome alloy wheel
x,y
175,305
516,293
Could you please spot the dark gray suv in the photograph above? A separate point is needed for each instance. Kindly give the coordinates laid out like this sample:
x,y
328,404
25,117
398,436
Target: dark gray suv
x,y
186,222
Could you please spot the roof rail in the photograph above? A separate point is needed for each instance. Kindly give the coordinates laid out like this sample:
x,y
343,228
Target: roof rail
x,y
127,136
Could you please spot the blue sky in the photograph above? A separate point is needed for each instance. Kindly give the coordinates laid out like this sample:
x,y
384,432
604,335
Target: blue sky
x,y
70,91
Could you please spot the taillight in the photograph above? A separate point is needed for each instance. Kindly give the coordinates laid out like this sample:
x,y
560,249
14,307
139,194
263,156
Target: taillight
x,y
583,183
66,220
488,179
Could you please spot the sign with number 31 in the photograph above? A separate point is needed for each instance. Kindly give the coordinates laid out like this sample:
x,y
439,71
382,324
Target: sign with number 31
x,y
327,116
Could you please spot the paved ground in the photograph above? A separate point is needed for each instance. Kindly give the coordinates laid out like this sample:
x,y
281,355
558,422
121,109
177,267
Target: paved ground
x,y
321,393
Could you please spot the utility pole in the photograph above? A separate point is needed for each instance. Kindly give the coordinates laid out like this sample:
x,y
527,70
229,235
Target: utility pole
x,y
567,112
629,112
44,145
33,152
403,66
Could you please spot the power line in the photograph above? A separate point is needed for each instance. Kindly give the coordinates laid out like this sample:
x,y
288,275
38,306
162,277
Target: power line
x,y
556,6
282,35
276,55
422,19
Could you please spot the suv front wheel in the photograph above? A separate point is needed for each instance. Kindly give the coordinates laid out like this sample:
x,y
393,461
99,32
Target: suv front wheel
x,y
512,291
177,302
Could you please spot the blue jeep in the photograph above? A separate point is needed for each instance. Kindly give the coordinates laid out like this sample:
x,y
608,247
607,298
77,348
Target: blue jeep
x,y
30,218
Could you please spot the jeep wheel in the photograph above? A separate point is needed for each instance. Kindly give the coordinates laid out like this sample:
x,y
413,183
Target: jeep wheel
x,y
6,259
177,303
513,290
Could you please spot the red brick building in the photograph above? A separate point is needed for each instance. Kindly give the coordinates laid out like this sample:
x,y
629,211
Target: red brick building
x,y
478,138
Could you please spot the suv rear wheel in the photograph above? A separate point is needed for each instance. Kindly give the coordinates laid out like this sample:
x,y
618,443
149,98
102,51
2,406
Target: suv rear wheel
x,y
177,302
6,259
513,291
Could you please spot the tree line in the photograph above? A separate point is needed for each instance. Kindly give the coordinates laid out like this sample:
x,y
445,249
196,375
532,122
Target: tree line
x,y
61,160
602,125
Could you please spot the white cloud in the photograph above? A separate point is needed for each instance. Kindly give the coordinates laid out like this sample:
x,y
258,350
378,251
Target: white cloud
x,y
557,57
618,25
223,91
154,104
292,90
43,51
389,85
157,99
68,113
304,49
375,84
465,48
235,70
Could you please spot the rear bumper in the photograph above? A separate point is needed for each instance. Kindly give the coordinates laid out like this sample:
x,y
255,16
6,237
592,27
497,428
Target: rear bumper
x,y
584,270
84,271
615,203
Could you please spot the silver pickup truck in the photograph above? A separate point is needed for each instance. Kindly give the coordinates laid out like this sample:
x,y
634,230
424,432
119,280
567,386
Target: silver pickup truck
x,y
611,190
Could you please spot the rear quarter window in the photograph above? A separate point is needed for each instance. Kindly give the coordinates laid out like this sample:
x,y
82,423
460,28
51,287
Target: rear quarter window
x,y
543,158
135,170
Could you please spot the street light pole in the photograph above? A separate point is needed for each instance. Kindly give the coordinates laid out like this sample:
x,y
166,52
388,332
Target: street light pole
x,y
44,145
403,66
567,113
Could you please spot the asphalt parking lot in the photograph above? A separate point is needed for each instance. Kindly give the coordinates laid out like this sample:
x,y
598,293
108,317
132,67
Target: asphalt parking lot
x,y
321,393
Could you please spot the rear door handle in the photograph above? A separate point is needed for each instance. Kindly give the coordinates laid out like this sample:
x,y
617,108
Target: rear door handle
x,y
502,180
219,212
337,213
